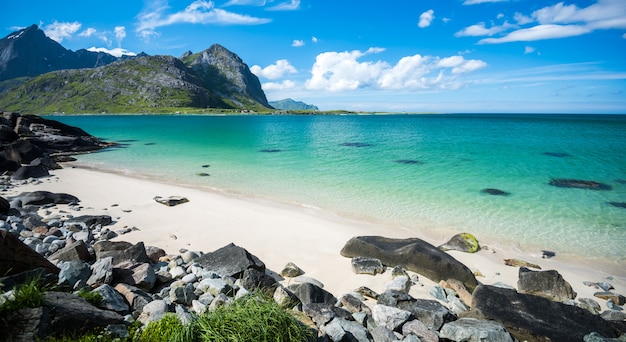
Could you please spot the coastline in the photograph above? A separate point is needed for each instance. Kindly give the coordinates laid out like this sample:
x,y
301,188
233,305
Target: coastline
x,y
277,233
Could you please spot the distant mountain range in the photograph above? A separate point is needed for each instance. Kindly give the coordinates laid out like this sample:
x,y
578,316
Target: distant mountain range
x,y
38,75
289,104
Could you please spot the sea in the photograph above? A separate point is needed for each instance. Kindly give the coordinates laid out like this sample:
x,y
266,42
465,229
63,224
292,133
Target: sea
x,y
422,173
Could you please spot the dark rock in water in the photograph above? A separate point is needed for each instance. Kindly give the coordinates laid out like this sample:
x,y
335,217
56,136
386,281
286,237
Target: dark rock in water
x,y
463,242
413,254
150,144
557,154
621,181
549,284
533,318
579,184
270,150
203,174
29,171
355,144
618,204
16,257
230,260
408,161
206,165
495,192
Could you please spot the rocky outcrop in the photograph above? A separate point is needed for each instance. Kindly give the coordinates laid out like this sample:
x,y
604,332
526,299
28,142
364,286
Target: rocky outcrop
x,y
549,284
413,254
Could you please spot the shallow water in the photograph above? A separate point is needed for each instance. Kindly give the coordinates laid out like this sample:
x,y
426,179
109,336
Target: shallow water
x,y
421,172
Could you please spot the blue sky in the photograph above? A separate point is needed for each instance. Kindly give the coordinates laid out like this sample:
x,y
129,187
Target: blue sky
x,y
397,55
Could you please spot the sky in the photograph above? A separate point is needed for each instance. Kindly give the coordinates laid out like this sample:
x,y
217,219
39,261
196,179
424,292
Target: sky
x,y
442,56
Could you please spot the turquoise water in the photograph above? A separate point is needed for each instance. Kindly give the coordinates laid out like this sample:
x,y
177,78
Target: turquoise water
x,y
421,172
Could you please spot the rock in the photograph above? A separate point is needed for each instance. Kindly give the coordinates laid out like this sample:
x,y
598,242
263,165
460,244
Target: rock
x,y
413,254
520,263
303,279
140,275
616,298
111,299
438,292
230,260
463,242
309,293
76,250
401,283
254,280
557,154
382,334
73,273
5,206
189,256
22,151
534,318
474,330
285,298
121,251
8,166
372,266
90,221
618,204
495,192
589,304
613,315
16,257
429,312
153,311
548,284
367,292
605,286
460,290
408,161
391,318
42,198
154,253
171,201
579,184
595,337
322,313
353,304
419,329
291,270
134,296
183,294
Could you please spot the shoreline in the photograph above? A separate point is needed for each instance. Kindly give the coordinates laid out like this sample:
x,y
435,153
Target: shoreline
x,y
276,232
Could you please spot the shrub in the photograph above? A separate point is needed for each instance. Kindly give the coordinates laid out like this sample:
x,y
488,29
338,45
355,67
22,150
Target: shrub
x,y
168,328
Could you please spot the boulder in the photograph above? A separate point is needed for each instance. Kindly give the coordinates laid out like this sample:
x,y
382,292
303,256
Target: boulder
x,y
22,151
419,329
353,304
101,272
495,192
549,284
7,165
16,257
254,280
90,221
309,293
140,275
534,318
390,317
463,242
73,273
322,313
76,250
291,270
615,297
111,299
413,254
230,260
171,201
41,198
340,329
372,266
474,330
121,251
30,171
429,312
5,206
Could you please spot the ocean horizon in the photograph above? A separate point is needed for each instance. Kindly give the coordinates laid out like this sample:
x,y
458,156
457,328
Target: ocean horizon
x,y
491,175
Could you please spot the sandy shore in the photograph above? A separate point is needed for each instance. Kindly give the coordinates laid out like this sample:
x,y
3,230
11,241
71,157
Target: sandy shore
x,y
277,233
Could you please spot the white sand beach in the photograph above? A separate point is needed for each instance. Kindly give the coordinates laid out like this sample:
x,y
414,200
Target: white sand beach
x,y
277,233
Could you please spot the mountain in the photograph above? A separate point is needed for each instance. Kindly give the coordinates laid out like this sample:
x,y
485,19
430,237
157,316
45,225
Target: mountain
x,y
143,84
289,104
29,52
225,73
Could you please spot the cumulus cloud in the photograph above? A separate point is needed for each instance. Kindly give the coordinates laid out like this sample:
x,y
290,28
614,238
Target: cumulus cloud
x,y
314,39
426,18
245,3
198,12
117,52
59,31
555,21
342,71
474,2
286,6
120,34
529,49
88,32
274,86
274,71
297,43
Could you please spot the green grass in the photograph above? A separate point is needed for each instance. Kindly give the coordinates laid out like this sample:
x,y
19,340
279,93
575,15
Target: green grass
x,y
93,297
252,318
168,328
27,295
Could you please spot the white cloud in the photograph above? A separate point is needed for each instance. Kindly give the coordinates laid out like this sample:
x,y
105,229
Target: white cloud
x,y
88,32
529,49
342,71
117,52
120,34
274,71
445,20
480,30
297,43
198,12
286,6
245,3
474,2
273,86
558,21
624,36
314,39
426,18
59,31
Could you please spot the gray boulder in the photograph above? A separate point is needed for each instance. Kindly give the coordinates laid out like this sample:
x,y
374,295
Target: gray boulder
x,y
474,330
76,250
390,317
230,260
111,299
254,280
549,284
382,334
340,329
153,311
101,272
90,220
134,296
73,273
361,265
291,270
534,318
429,312
309,293
30,171
419,329
140,275
322,313
413,254
16,257
121,251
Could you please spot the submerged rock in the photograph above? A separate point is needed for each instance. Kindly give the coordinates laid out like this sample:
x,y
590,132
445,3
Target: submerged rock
x,y
408,161
618,204
464,242
355,144
270,150
557,154
495,192
579,184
